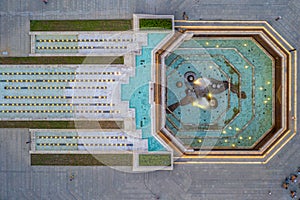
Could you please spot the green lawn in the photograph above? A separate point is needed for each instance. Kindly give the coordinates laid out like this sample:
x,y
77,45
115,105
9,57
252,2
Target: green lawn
x,y
63,124
155,23
80,25
82,159
62,60
155,159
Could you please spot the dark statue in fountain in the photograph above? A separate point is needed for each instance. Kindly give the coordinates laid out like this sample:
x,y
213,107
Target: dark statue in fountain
x,y
200,92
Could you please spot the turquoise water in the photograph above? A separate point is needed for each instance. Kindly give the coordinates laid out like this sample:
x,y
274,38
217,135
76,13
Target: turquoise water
x,y
45,42
54,140
234,120
48,138
48,92
64,44
31,104
137,91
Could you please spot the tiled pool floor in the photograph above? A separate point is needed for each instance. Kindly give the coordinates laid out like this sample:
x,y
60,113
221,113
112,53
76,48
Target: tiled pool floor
x,y
64,92
245,66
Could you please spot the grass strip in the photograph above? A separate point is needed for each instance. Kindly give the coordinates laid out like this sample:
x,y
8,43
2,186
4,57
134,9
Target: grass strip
x,y
63,124
82,159
155,159
62,60
80,25
155,23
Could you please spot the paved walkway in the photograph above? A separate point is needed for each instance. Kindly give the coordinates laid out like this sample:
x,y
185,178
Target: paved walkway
x,y
20,181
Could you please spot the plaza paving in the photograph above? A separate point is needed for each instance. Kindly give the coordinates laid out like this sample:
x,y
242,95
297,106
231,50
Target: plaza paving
x,y
18,180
